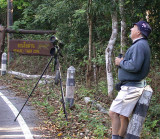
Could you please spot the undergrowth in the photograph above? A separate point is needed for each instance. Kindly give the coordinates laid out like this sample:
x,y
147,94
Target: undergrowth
x,y
84,121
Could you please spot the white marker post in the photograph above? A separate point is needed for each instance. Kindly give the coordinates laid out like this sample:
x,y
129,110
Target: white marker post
x,y
3,64
139,114
70,86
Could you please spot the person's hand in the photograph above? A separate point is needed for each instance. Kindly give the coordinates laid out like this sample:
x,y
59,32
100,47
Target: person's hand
x,y
118,60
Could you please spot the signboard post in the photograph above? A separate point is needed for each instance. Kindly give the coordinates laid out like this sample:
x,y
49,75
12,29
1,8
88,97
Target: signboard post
x,y
9,23
2,38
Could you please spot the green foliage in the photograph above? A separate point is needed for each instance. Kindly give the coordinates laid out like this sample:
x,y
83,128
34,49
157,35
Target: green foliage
x,y
100,130
3,12
70,19
93,122
3,4
84,115
102,88
83,91
151,126
60,121
20,4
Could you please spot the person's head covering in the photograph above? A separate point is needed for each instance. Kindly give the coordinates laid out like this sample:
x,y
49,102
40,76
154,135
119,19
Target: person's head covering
x,y
144,28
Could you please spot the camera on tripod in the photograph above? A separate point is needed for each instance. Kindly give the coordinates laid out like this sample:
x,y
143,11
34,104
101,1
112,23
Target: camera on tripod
x,y
57,45
55,52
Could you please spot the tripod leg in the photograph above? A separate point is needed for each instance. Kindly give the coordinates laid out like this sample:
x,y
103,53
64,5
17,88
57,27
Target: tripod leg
x,y
34,87
63,102
57,77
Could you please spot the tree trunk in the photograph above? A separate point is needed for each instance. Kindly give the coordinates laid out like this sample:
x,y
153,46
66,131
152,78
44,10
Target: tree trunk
x,y
94,65
88,77
108,52
123,26
22,76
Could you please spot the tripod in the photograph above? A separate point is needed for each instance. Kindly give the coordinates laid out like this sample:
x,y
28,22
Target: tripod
x,y
56,64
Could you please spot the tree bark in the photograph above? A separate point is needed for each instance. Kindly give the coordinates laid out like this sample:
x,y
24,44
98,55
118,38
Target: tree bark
x,y
108,52
123,26
94,65
26,76
89,66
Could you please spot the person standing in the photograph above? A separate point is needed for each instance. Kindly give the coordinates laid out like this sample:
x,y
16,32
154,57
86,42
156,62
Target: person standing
x,y
133,68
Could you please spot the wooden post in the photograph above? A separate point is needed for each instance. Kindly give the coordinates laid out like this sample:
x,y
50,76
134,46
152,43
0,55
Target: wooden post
x,y
2,40
36,32
70,86
9,23
139,114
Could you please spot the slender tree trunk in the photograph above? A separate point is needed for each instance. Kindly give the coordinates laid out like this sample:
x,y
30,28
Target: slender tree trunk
x,y
123,25
94,65
108,52
89,66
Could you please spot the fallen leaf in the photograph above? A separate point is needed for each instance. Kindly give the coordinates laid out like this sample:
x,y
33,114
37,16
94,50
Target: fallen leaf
x,y
74,135
60,134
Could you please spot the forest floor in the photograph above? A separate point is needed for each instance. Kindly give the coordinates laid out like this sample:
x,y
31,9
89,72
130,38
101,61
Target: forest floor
x,y
84,120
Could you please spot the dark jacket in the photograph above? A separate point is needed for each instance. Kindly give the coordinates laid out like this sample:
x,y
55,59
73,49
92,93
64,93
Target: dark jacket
x,y
136,63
